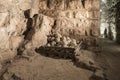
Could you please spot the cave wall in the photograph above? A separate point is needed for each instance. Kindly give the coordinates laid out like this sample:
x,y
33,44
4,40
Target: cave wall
x,y
118,22
77,19
13,24
110,19
25,24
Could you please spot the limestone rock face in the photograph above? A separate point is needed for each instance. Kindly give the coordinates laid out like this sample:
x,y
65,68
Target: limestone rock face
x,y
39,27
12,26
27,23
74,18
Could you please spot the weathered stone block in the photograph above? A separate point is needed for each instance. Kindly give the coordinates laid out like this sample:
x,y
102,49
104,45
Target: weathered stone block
x,y
25,6
92,4
81,14
93,14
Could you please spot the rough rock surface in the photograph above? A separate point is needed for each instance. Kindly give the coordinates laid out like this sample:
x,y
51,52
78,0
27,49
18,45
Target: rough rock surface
x,y
21,26
28,24
110,20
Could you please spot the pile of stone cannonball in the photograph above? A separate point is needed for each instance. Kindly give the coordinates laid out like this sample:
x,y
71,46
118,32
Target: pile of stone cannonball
x,y
57,40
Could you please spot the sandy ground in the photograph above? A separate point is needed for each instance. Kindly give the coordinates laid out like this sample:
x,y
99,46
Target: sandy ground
x,y
45,68
109,59
39,67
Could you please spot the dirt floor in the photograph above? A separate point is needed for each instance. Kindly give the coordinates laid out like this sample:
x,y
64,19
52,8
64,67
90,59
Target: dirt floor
x,y
109,59
45,68
39,67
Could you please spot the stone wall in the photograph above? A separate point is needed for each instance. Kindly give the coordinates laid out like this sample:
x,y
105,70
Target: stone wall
x,y
25,24
74,18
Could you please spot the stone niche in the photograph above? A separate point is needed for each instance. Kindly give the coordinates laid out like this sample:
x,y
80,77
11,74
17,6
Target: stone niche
x,y
76,19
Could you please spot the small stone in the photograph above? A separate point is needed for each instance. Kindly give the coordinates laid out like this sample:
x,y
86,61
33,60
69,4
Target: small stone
x,y
48,45
65,43
59,35
68,39
74,42
53,38
53,43
77,41
58,39
59,44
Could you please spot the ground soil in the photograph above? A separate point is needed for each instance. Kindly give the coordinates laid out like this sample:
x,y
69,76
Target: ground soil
x,y
39,67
